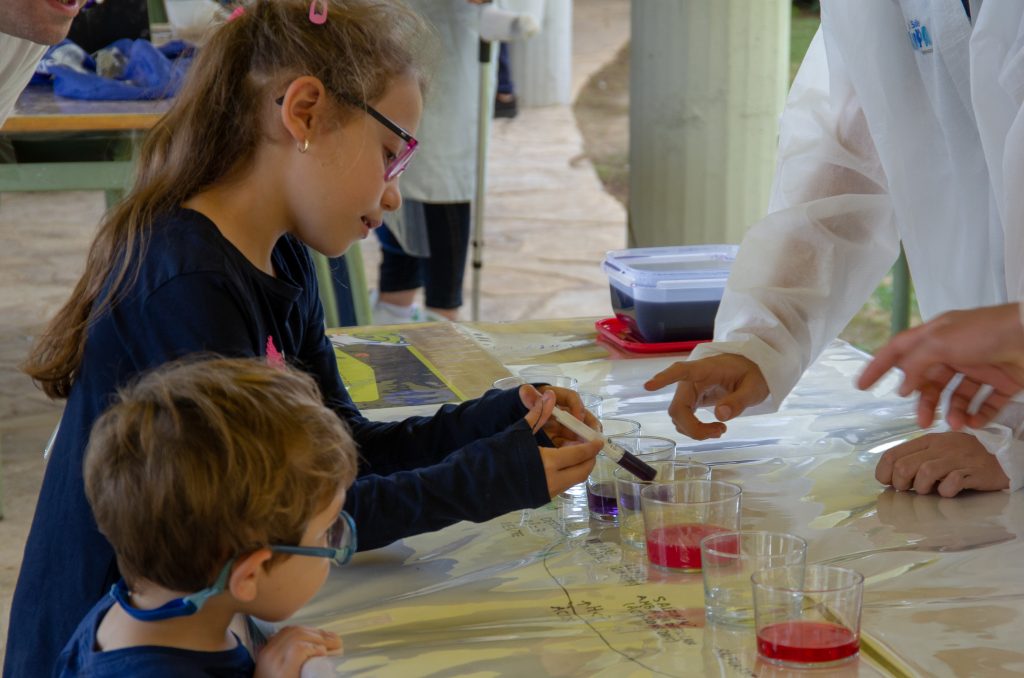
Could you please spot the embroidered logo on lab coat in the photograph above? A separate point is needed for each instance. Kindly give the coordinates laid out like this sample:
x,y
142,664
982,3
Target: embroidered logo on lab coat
x,y
920,38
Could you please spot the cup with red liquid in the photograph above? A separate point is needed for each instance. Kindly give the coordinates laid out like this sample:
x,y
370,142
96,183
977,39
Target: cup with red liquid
x,y
628,487
600,484
729,559
807,616
678,515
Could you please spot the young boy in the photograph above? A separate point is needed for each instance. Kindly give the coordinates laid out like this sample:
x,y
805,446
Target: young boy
x,y
219,484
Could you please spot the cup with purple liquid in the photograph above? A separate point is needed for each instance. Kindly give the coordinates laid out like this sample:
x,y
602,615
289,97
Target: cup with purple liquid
x,y
601,496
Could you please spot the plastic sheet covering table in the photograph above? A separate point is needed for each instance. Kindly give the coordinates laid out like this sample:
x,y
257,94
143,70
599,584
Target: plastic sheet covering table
x,y
547,593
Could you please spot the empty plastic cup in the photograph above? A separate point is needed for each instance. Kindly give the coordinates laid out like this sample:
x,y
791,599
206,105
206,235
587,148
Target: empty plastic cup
x,y
729,559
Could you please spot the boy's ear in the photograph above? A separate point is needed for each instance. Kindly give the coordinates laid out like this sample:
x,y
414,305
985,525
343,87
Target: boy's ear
x,y
304,108
245,577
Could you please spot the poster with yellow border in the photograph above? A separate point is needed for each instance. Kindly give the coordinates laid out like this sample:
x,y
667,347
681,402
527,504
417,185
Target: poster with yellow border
x,y
407,365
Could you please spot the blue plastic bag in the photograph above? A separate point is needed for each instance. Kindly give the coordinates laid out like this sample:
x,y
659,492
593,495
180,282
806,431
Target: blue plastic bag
x,y
144,72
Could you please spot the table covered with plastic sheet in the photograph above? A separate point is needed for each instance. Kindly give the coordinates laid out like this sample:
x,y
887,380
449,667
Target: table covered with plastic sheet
x,y
546,592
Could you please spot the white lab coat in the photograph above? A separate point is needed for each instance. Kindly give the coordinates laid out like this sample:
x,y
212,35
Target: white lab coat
x,y
18,59
880,143
444,168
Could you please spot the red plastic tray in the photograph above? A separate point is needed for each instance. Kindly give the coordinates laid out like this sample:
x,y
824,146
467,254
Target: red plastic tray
x,y
617,332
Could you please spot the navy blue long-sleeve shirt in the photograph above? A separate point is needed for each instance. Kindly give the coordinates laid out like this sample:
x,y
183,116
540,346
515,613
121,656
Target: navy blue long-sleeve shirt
x,y
196,292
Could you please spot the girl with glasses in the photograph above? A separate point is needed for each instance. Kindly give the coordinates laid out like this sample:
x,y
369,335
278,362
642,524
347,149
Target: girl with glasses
x,y
288,134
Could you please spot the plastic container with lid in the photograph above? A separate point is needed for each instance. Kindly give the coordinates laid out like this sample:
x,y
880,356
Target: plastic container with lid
x,y
669,293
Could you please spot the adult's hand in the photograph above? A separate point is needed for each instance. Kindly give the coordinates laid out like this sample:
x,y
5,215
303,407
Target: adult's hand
x,y
730,382
946,463
985,344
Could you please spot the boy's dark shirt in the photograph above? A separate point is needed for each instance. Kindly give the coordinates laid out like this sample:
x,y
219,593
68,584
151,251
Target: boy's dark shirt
x,y
81,660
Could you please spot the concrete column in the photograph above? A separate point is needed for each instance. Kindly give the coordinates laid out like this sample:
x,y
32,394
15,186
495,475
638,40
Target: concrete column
x,y
542,65
708,80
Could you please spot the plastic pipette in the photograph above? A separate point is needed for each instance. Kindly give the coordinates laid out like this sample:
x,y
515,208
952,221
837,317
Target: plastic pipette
x,y
623,458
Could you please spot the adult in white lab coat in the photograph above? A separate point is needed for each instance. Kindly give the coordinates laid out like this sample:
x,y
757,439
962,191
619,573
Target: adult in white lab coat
x,y
900,125
431,232
26,28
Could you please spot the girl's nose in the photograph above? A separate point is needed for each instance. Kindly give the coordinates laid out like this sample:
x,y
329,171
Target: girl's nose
x,y
392,198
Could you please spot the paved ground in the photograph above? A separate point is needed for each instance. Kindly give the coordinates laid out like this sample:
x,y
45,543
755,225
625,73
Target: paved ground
x,y
549,224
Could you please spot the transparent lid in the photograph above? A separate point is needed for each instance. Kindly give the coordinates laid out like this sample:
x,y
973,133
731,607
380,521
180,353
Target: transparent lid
x,y
672,267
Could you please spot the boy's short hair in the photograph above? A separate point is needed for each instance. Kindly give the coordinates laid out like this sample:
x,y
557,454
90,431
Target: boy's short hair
x,y
202,461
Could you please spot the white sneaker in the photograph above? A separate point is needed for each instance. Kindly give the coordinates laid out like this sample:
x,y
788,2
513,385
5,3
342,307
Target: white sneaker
x,y
393,314
431,316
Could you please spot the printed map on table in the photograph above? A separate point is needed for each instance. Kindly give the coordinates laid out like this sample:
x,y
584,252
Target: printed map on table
x,y
409,365
384,370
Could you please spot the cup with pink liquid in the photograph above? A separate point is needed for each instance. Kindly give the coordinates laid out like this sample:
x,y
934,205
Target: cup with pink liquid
x,y
807,616
628,488
678,515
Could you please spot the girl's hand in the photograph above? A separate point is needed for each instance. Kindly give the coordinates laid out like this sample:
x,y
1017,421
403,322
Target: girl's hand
x,y
569,465
288,649
560,397
571,462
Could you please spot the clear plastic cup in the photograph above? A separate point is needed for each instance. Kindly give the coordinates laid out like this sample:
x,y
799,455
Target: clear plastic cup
x,y
678,515
729,559
627,493
549,374
506,383
592,403
807,616
600,486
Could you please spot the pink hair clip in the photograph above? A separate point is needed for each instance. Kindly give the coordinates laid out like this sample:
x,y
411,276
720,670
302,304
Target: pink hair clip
x,y
318,12
236,12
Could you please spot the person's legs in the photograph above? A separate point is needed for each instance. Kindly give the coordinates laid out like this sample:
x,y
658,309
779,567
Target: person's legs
x,y
448,226
401,276
505,105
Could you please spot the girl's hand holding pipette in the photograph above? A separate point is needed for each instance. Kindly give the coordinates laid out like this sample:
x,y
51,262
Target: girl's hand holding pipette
x,y
571,462
567,400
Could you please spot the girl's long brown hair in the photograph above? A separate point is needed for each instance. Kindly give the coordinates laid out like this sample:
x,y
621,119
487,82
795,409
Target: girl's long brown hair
x,y
212,130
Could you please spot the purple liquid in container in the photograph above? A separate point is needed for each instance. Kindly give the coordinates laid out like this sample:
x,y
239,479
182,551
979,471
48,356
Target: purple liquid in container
x,y
631,502
601,499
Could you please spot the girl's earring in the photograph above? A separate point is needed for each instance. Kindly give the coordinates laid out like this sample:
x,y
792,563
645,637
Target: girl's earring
x,y
304,146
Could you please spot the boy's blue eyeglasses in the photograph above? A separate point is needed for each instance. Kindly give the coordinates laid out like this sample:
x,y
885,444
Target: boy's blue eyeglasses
x,y
341,544
396,165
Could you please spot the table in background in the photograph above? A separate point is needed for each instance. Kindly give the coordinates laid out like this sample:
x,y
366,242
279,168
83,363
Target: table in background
x,y
547,593
39,112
